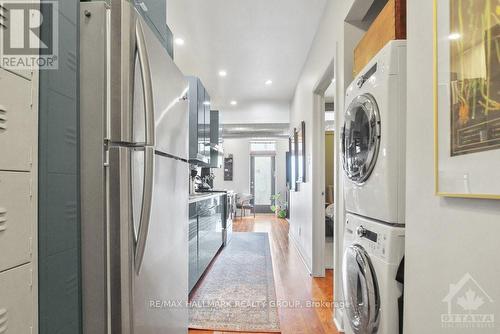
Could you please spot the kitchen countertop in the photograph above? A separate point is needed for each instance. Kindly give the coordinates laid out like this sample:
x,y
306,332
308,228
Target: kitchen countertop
x,y
203,196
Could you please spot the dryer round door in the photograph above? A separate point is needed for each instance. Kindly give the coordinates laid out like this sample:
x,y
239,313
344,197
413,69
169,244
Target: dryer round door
x,y
361,138
361,291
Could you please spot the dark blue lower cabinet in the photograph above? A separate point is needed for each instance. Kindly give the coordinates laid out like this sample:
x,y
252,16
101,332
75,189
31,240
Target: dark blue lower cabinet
x,y
193,246
205,236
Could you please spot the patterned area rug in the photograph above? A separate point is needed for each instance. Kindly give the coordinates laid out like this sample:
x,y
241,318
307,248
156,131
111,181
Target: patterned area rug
x,y
238,292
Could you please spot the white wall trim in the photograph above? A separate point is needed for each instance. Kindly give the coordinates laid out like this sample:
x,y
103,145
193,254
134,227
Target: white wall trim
x,y
318,251
300,251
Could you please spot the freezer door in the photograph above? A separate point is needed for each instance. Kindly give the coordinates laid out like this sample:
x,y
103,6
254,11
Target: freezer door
x,y
170,88
148,238
130,86
148,92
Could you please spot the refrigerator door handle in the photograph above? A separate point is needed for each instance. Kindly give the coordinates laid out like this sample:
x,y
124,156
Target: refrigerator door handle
x,y
146,84
147,201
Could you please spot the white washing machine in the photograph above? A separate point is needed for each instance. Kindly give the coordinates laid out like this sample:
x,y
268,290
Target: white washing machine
x,y
372,256
374,137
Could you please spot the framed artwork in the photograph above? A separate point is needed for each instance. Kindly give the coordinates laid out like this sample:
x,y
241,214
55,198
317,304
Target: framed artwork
x,y
228,168
292,142
467,98
301,153
288,168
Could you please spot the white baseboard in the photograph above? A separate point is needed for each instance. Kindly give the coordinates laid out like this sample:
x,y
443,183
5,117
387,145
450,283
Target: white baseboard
x,y
299,250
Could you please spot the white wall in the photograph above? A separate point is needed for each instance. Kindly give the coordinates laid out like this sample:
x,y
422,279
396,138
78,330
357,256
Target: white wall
x,y
445,238
257,112
240,149
335,39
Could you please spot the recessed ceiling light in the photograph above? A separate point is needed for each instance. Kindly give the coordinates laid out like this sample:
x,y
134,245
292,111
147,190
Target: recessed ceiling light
x,y
269,82
179,41
222,73
233,103
454,36
207,103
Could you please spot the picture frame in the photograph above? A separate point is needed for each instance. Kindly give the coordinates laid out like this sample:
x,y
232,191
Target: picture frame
x,y
292,142
301,153
228,168
466,99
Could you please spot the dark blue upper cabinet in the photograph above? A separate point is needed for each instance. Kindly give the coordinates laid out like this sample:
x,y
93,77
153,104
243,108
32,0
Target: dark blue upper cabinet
x,y
199,123
155,14
206,105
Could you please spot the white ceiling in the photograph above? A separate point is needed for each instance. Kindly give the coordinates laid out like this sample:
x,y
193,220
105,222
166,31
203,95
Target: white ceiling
x,y
253,40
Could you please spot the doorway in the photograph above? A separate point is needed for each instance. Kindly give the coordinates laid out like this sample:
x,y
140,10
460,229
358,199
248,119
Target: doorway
x,y
262,181
330,140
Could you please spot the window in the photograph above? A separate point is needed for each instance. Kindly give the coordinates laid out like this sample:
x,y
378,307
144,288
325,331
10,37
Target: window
x,y
260,147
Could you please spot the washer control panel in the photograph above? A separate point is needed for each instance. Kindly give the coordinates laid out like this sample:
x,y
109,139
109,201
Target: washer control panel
x,y
383,241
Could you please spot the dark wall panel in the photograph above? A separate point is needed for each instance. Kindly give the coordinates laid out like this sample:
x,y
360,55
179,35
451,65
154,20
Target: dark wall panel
x,y
59,229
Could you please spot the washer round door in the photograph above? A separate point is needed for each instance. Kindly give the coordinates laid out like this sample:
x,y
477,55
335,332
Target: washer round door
x,y
361,138
361,291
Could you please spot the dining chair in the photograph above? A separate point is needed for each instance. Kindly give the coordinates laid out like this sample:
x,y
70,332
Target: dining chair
x,y
243,203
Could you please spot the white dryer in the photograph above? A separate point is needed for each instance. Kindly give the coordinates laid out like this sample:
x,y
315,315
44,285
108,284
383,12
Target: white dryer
x,y
374,137
372,255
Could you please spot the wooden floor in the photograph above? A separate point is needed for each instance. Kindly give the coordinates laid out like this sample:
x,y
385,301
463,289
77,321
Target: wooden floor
x,y
293,282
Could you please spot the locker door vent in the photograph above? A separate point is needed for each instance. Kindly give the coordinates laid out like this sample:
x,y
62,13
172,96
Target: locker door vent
x,y
3,320
3,17
71,285
3,119
70,136
3,219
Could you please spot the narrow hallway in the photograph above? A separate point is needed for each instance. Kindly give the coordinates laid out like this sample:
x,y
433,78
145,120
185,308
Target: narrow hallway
x,y
294,285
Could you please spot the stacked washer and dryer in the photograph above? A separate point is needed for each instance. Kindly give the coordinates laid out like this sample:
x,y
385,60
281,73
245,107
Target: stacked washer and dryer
x,y
373,152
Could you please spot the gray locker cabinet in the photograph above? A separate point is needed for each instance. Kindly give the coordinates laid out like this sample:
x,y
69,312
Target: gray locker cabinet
x,y
16,219
27,74
16,300
17,123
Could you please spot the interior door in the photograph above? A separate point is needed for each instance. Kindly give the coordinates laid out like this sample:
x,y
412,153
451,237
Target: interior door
x,y
361,291
361,138
263,182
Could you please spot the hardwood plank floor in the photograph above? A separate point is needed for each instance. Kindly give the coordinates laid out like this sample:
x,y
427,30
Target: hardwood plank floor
x,y
293,282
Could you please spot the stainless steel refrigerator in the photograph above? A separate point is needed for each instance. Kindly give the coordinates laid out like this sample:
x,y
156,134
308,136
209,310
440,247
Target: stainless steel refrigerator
x,y
134,176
